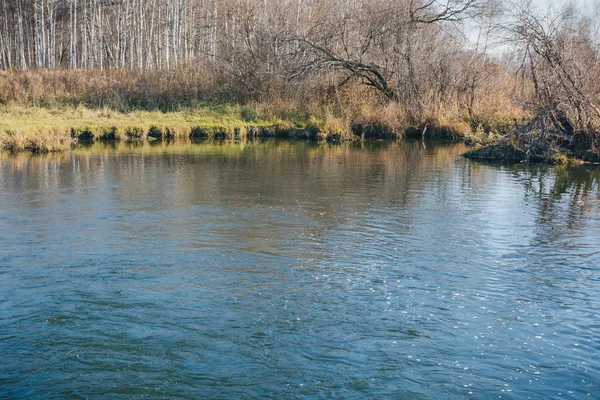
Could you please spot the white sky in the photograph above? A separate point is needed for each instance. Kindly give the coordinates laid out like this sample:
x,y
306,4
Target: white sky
x,y
587,7
584,5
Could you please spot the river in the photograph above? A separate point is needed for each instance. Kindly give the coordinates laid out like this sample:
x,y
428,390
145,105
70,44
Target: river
x,y
297,270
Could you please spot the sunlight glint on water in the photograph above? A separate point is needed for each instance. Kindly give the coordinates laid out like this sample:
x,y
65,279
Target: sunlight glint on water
x,y
296,270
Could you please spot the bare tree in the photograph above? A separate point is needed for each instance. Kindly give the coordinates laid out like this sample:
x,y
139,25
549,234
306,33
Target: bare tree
x,y
562,64
385,44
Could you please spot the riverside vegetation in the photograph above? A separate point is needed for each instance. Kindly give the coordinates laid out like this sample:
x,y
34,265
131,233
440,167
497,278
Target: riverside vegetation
x,y
318,69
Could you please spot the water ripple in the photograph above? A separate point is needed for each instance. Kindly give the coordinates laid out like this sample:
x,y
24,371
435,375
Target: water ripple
x,y
289,270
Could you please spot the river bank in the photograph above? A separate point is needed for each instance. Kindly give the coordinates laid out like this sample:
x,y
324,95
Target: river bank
x,y
58,129
44,130
54,129
537,147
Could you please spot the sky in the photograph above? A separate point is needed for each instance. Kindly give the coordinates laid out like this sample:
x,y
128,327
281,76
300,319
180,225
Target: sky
x,y
586,6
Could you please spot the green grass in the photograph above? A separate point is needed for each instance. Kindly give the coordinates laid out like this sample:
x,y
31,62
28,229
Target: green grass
x,y
51,129
57,128
29,119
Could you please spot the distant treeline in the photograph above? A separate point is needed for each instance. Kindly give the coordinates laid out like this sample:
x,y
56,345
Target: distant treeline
x,y
432,59
408,50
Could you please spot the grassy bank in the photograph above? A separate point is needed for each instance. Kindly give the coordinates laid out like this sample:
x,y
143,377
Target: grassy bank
x,y
47,111
48,129
58,128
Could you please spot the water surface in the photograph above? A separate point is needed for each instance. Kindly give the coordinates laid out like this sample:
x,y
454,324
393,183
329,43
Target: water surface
x,y
296,270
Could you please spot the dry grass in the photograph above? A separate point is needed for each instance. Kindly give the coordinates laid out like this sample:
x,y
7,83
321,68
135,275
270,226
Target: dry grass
x,y
42,110
115,89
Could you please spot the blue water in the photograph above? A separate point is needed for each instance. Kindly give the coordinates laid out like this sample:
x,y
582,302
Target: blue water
x,y
296,270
